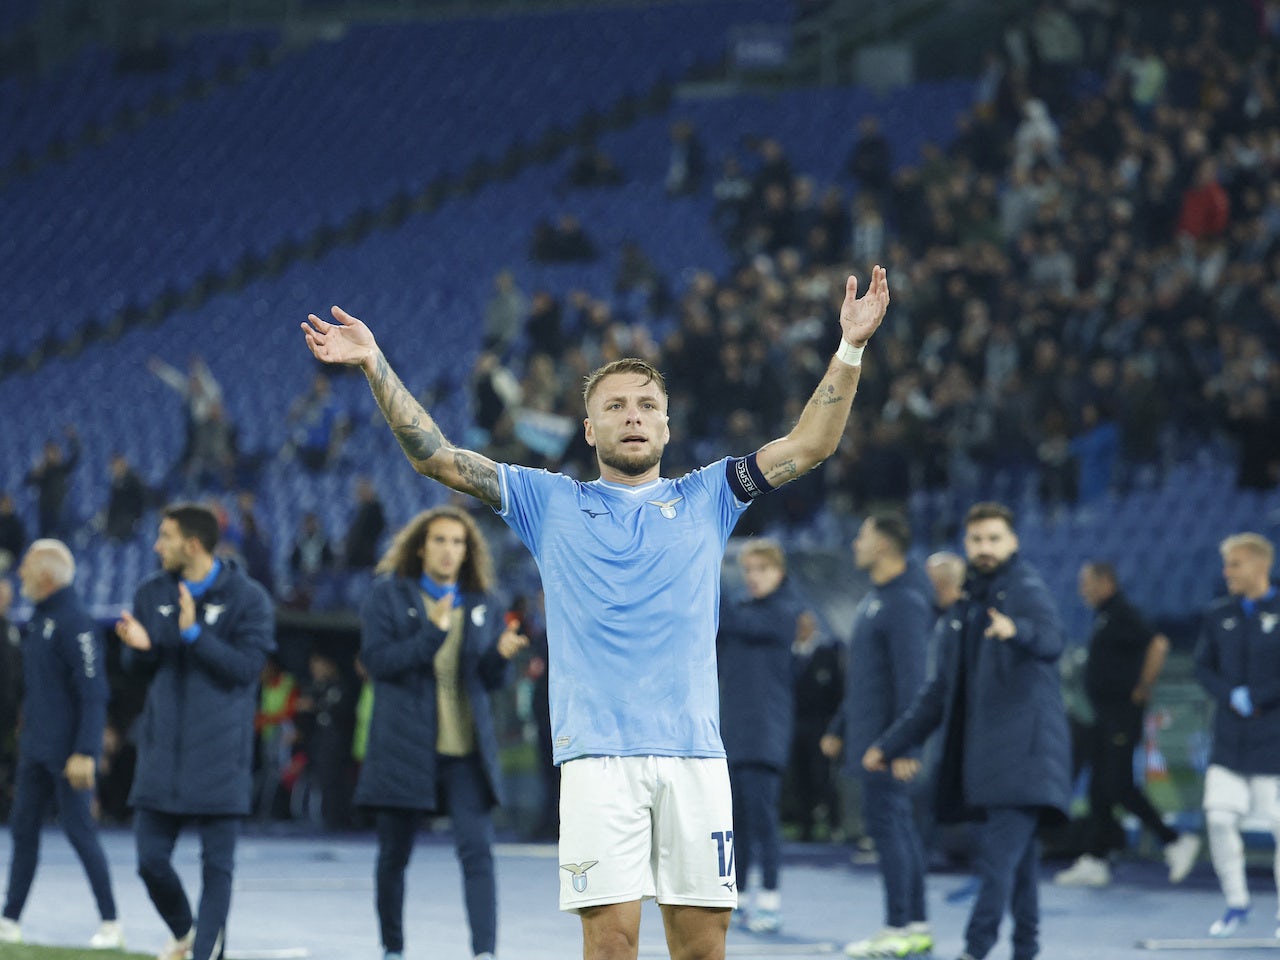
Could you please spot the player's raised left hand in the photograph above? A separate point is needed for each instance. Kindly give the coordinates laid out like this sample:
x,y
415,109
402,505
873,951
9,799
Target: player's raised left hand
x,y
861,316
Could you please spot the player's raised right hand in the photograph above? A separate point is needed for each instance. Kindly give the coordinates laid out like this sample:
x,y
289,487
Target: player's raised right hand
x,y
348,341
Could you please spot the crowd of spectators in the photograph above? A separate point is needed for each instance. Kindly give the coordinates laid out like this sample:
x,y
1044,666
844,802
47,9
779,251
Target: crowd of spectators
x,y
1086,280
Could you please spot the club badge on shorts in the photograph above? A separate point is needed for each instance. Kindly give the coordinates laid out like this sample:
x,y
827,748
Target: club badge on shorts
x,y
579,871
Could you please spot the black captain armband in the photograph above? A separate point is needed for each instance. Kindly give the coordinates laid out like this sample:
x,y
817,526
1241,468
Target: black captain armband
x,y
745,478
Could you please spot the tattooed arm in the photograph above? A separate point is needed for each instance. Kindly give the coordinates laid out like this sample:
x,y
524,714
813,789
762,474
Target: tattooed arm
x,y
350,342
817,433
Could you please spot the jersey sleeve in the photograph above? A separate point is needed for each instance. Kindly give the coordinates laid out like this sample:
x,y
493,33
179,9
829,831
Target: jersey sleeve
x,y
715,480
523,500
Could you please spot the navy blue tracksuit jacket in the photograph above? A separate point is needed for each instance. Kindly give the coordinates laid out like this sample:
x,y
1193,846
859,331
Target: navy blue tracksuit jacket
x,y
999,703
757,698
886,667
398,643
65,673
1239,648
195,735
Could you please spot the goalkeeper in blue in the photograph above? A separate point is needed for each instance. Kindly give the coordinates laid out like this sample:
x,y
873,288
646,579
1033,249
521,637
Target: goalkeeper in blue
x,y
630,567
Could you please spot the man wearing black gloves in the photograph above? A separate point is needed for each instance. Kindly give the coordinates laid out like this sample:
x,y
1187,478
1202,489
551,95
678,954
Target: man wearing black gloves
x,y
1125,658
202,629
886,670
753,651
1006,750
64,709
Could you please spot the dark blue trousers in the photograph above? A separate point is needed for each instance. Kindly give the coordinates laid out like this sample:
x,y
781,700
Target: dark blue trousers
x,y
888,811
756,787
465,797
36,787
1008,866
156,834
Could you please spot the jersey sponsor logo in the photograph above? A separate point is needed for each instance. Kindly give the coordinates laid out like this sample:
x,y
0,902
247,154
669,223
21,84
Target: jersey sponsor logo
x,y
666,507
578,871
165,609
49,627
1268,621
86,652
594,513
212,612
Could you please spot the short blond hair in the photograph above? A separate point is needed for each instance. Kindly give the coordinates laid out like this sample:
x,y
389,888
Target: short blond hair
x,y
1255,542
770,550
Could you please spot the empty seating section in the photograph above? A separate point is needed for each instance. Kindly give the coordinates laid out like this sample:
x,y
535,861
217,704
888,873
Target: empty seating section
x,y
333,129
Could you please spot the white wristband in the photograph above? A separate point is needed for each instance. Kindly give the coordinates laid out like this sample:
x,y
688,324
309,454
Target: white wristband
x,y
849,354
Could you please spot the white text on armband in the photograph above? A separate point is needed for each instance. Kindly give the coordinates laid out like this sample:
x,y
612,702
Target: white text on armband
x,y
746,479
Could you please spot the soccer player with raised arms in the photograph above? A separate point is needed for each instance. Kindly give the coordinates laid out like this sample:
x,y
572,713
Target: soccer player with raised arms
x,y
630,566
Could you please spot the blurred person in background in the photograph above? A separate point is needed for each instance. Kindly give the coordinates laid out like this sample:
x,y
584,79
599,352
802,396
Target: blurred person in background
x,y
1237,662
753,654
886,669
64,708
1125,659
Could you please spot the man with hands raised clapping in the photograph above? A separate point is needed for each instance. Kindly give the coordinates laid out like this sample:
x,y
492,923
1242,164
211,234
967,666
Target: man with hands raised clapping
x,y
201,629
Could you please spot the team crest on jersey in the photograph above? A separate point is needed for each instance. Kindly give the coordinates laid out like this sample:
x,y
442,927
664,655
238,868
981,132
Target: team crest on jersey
x,y
212,612
666,507
49,626
579,872
165,609
1229,623
1268,621
478,614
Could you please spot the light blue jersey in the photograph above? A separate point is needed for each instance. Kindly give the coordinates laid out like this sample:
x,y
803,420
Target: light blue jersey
x,y
632,583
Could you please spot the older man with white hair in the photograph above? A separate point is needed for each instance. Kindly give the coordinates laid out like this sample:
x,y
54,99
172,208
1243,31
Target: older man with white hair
x,y
64,710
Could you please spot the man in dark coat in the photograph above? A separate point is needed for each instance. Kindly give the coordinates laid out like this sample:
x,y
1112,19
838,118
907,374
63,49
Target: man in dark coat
x,y
63,712
202,630
1238,663
887,658
51,476
366,527
809,792
127,501
434,642
753,651
1006,749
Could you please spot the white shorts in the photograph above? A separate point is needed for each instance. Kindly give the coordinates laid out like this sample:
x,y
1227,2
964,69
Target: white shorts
x,y
636,828
1257,796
